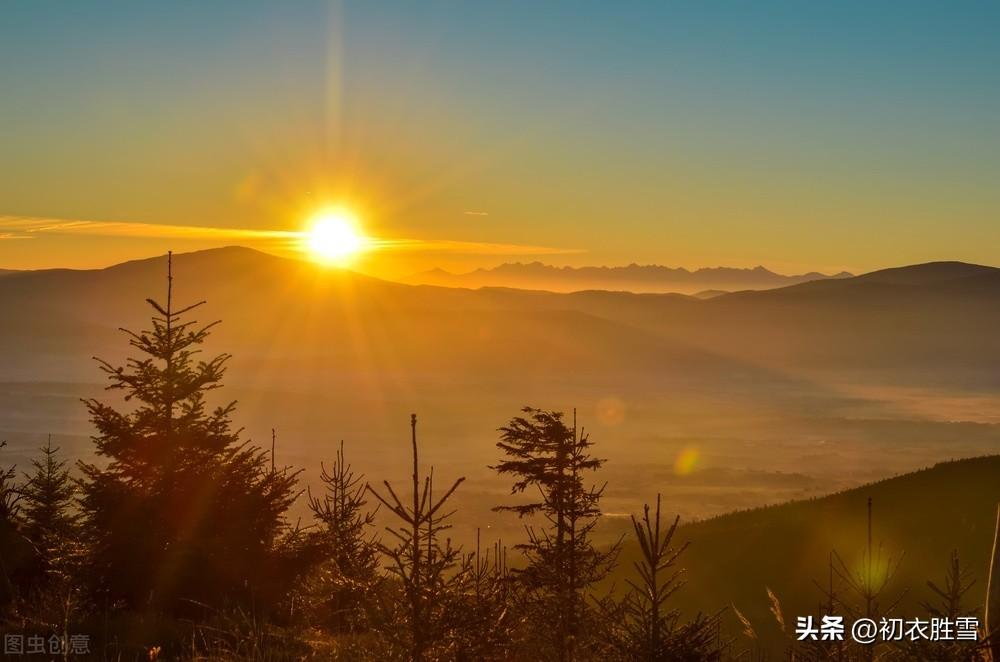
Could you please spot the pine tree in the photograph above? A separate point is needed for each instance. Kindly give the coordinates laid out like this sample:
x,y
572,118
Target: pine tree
x,y
562,562
182,511
951,592
485,615
48,496
866,593
950,603
641,627
348,573
428,568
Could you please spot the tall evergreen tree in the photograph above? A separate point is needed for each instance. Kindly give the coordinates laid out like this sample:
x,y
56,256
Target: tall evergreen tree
x,y
182,510
543,453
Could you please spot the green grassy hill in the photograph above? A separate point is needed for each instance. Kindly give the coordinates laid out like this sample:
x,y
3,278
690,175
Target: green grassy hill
x,y
922,516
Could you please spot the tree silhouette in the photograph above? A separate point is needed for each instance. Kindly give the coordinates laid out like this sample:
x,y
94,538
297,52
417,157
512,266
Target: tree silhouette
x,y
951,592
48,496
423,563
485,614
640,627
182,511
866,588
562,562
349,571
950,603
650,622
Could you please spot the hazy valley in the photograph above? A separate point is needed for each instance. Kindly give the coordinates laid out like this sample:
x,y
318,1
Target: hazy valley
x,y
737,401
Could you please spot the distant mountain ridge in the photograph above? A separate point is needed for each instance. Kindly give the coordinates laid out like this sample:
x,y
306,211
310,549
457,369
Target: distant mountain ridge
x,y
633,277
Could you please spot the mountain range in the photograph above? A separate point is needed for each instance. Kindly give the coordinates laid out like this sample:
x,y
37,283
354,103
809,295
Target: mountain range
x,y
632,278
780,394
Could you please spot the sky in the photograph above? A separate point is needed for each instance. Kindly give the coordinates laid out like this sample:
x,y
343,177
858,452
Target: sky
x,y
797,135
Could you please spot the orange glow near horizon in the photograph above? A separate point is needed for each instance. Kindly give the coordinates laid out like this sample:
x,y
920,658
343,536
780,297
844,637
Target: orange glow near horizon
x,y
334,236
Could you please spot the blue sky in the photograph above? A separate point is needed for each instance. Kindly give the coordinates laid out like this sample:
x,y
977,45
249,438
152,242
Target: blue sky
x,y
813,135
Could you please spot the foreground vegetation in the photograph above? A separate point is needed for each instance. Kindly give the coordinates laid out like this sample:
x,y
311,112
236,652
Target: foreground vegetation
x,y
176,544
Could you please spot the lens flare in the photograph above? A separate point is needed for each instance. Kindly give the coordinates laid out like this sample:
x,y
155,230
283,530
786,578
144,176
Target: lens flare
x,y
687,461
611,411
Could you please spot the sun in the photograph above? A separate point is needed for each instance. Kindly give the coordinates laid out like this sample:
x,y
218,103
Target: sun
x,y
334,235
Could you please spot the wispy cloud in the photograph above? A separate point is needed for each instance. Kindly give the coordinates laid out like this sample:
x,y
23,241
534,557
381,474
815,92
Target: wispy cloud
x,y
21,227
469,247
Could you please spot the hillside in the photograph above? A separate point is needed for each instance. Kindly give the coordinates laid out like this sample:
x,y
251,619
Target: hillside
x,y
922,516
781,395
918,280
279,309
922,325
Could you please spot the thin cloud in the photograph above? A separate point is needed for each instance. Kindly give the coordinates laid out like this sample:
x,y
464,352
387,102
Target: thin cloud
x,y
21,227
469,247
28,227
